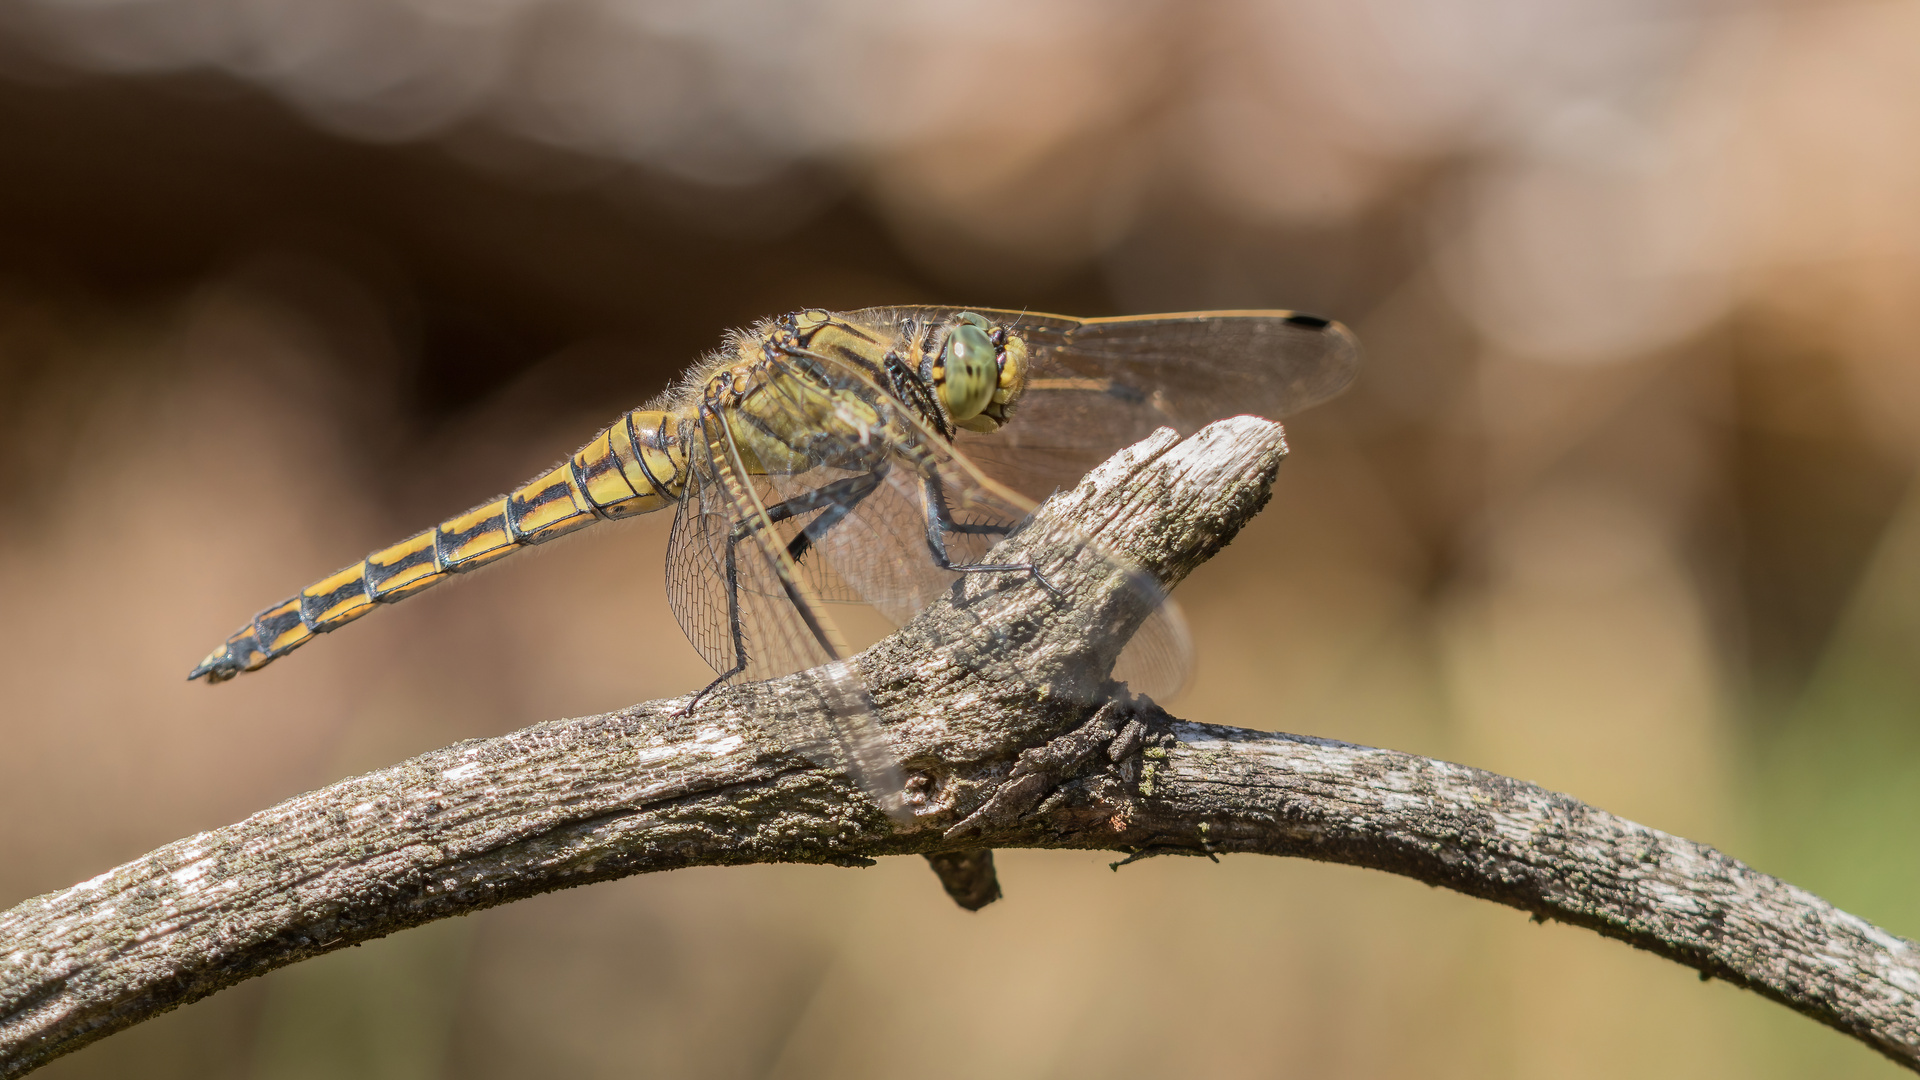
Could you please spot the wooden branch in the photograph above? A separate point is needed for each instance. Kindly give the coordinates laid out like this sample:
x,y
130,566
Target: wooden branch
x,y
991,762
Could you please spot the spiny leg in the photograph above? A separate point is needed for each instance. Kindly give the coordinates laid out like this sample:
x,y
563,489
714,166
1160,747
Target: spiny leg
x,y
842,496
839,498
940,522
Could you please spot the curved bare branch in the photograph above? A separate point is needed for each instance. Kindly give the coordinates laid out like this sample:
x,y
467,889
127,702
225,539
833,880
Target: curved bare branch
x,y
991,764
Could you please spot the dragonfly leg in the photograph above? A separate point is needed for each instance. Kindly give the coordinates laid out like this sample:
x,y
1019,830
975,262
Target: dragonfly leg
x,y
839,498
940,522
989,529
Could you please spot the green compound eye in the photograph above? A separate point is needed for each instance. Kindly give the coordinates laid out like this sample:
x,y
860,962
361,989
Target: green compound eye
x,y
971,375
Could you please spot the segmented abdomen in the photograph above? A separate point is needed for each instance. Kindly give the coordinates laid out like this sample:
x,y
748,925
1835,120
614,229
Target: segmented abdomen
x,y
633,467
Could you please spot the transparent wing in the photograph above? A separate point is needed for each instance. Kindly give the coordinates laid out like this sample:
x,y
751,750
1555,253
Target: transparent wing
x,y
750,613
701,597
696,585
878,552
867,544
1095,385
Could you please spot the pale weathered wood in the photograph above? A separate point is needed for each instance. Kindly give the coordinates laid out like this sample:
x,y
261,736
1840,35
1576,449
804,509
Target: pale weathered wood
x,y
990,763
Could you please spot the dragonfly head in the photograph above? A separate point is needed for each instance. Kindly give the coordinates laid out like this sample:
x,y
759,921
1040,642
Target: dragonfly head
x,y
980,370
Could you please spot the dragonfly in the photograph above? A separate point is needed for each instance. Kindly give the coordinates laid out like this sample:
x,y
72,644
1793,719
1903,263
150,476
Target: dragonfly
x,y
874,456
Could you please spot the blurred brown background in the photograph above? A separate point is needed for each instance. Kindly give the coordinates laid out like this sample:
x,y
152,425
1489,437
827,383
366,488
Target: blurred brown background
x,y
1623,502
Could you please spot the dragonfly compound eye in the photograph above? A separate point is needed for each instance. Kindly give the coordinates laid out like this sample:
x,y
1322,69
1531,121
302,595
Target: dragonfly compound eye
x,y
970,372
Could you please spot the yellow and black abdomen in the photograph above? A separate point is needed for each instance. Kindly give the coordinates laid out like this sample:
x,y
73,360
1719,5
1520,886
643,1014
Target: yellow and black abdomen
x,y
634,467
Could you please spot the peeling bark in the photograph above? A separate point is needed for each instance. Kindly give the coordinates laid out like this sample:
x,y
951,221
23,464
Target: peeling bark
x,y
991,763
